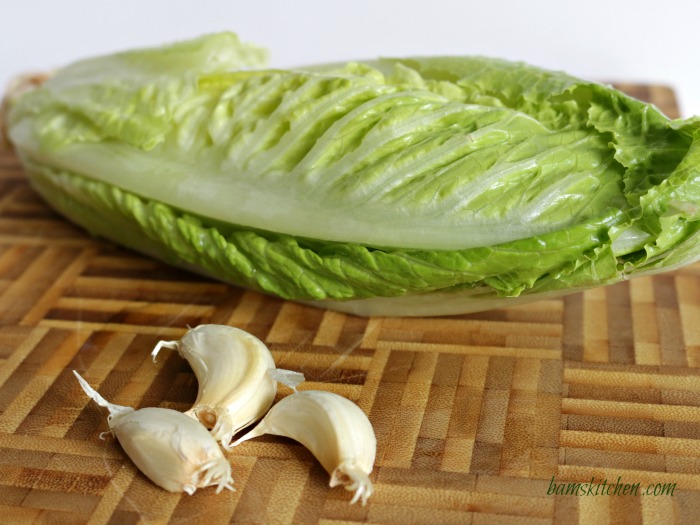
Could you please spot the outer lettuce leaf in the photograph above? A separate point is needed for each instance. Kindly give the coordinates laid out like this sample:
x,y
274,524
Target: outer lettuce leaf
x,y
327,154
396,186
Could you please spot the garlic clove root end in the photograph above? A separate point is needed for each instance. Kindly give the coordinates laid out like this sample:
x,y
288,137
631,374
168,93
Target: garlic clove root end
x,y
355,479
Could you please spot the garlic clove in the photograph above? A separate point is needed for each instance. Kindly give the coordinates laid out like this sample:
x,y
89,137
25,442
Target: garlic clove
x,y
173,450
236,374
334,429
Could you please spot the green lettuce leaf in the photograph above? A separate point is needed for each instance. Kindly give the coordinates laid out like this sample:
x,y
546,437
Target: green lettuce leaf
x,y
406,186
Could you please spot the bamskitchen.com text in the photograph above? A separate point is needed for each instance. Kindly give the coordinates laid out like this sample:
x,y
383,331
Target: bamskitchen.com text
x,y
602,487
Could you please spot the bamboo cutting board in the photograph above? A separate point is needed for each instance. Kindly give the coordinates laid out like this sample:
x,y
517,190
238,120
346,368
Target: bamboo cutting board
x,y
479,418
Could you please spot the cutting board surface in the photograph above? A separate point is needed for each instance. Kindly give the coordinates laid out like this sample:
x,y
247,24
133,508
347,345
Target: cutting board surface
x,y
479,418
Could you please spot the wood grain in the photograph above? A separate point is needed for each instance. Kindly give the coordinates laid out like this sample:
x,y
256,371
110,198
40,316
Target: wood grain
x,y
474,415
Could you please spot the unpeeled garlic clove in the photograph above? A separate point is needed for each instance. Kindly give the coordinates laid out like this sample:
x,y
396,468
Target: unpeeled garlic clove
x,y
236,374
174,451
334,429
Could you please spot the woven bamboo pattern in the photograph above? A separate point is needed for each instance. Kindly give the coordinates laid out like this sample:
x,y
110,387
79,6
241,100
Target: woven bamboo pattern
x,y
476,416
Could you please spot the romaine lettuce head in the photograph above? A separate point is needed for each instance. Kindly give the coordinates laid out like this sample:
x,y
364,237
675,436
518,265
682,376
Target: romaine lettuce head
x,y
410,186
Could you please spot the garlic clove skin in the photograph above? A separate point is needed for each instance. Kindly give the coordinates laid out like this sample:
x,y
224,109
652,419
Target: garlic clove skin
x,y
236,374
173,450
334,429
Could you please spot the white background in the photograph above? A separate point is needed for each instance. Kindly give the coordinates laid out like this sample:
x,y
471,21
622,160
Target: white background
x,y
607,40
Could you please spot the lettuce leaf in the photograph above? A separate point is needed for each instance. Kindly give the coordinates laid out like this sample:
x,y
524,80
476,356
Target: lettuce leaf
x,y
407,186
